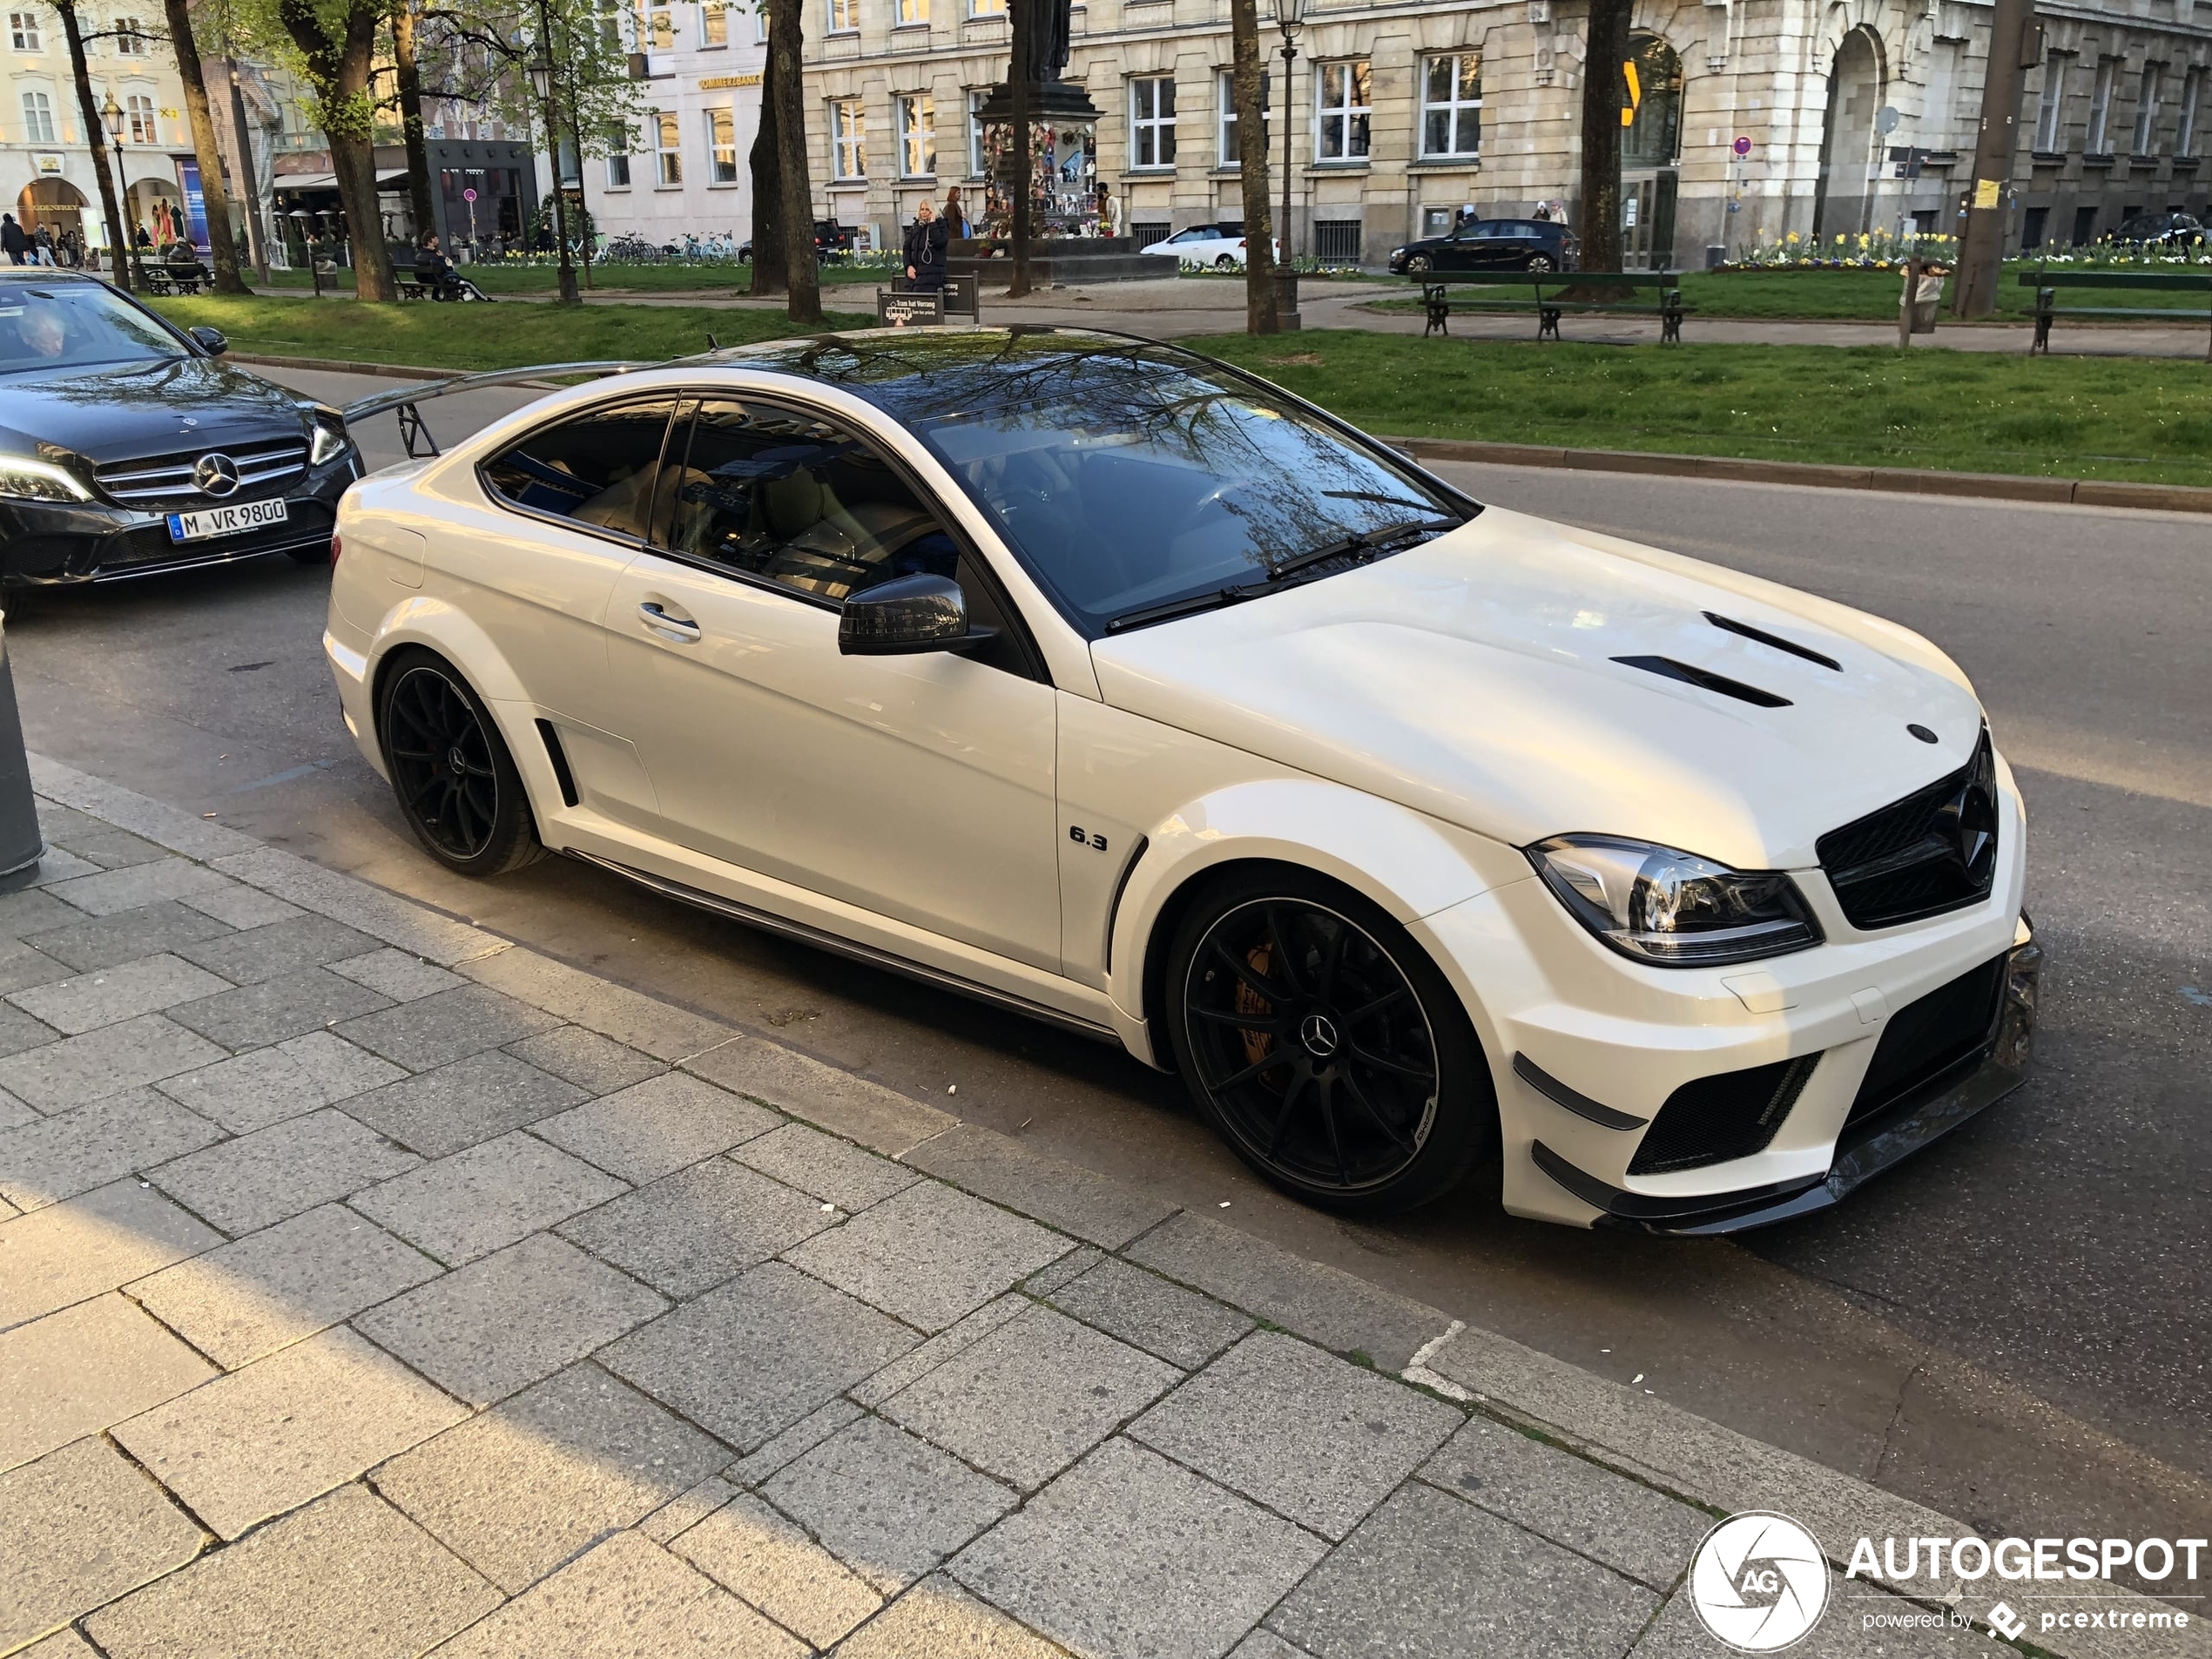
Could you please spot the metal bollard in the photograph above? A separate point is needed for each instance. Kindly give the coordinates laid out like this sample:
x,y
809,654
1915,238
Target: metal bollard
x,y
21,845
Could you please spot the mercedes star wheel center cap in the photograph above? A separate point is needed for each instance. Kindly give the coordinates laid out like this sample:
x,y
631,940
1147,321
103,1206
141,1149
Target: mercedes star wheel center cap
x,y
215,474
1319,1033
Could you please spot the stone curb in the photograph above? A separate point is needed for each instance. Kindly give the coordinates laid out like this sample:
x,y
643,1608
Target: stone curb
x,y
2078,492
1649,1439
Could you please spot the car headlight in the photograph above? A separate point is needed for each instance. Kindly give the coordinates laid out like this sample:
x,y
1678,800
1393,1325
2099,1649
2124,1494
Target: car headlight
x,y
25,479
1674,909
329,444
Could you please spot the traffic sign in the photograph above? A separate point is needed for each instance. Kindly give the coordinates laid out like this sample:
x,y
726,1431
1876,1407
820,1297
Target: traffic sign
x,y
1885,120
1743,145
469,195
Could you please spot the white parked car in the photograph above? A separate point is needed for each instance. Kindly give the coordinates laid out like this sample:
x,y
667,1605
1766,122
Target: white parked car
x,y
1208,248
1109,683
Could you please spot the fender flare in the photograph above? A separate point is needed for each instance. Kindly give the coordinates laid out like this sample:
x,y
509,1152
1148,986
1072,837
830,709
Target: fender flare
x,y
436,626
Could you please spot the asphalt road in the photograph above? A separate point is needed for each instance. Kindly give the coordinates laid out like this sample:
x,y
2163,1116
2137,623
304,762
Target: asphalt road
x,y
2013,1327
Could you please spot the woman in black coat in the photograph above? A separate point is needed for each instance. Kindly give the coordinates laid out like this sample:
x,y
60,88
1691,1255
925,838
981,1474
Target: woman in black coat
x,y
925,251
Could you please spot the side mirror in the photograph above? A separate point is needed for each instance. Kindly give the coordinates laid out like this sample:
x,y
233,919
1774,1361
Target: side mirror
x,y
908,614
210,341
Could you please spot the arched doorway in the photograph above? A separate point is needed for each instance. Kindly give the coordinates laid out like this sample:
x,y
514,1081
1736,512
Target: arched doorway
x,y
1840,197
1651,157
55,203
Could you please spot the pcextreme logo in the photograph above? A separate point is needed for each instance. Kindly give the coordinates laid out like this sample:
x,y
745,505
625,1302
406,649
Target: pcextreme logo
x,y
1759,1582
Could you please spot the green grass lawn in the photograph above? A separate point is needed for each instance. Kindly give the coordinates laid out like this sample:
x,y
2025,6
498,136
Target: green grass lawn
x,y
476,337
2145,419
699,277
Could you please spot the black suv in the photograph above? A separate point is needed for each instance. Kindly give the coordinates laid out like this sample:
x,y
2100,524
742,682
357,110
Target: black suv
x,y
832,242
1489,245
126,448
2165,230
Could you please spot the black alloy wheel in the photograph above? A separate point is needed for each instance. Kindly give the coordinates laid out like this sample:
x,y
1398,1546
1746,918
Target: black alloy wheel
x,y
1418,265
1326,1047
457,784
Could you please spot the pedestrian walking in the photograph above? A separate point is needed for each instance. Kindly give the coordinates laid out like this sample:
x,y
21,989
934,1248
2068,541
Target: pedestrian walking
x,y
925,251
956,225
43,254
12,240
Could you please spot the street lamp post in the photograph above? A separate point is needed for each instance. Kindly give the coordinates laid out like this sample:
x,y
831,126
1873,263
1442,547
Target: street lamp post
x,y
111,116
1289,15
541,74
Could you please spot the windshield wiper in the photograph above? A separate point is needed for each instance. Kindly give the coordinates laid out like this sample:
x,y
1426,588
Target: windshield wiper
x,y
1363,545
1374,496
1186,606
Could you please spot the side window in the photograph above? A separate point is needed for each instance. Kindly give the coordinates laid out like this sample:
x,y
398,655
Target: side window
x,y
598,469
794,499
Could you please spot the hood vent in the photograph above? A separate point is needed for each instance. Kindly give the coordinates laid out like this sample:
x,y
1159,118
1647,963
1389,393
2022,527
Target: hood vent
x,y
1667,668
1775,640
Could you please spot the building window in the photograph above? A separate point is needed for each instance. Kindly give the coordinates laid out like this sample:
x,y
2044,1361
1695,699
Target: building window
x,y
2084,227
848,139
668,144
987,7
129,37
975,134
2185,128
2098,142
621,140
660,30
1452,105
1225,101
721,147
609,23
1343,91
714,24
2051,111
2032,230
844,16
38,118
918,137
913,12
2146,110
1152,121
22,32
1336,241
139,107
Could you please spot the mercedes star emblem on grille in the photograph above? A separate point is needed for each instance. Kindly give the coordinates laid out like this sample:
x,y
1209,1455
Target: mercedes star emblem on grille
x,y
215,474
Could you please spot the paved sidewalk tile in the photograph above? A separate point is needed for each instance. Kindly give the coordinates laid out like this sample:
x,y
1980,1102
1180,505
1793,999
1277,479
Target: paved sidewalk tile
x,y
627,1599
279,950
1181,1326
288,1428
956,1338
1076,1200
1032,1397
77,1528
853,1107
348,1577
77,1372
503,1322
793,1443
687,1508
112,995
281,1285
60,865
1128,1554
19,1031
751,1551
929,1254
14,1113
630,1017
259,1179
520,1489
1312,1436
596,1064
1677,1633
396,974
1429,1577
658,1127
1606,1516
890,1506
1263,1643
383,915
456,1106
451,1025
253,1016
113,890
90,1244
104,942
242,906
699,1226
78,1070
110,848
32,911
53,1158
937,1617
478,1200
22,967
836,1171
751,1359
265,1086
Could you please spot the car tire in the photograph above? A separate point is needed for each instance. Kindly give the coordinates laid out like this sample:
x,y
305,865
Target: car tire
x,y
1540,262
1418,265
1226,262
1352,1080
455,783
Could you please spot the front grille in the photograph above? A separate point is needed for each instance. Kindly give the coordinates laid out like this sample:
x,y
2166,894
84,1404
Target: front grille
x,y
150,546
165,482
1929,1038
1934,851
1710,1120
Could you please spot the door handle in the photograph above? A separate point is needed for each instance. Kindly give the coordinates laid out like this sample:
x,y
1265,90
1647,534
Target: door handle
x,y
682,629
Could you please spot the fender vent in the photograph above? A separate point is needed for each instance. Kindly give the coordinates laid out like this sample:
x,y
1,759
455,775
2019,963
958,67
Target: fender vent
x,y
1689,674
1732,1114
1775,640
559,757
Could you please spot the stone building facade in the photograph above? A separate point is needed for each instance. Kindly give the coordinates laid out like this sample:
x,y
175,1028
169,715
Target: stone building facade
x,y
1405,112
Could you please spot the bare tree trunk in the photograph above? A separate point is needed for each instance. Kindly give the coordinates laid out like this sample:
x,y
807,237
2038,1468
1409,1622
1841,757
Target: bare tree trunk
x,y
408,73
1021,22
1260,315
340,71
769,265
256,232
786,48
1605,92
119,257
222,247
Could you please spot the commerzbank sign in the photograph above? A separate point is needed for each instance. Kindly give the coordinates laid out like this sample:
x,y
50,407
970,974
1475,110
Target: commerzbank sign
x,y
713,81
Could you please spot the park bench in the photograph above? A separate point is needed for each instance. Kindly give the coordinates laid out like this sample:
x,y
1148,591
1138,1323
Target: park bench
x,y
1547,292
408,282
2046,283
164,278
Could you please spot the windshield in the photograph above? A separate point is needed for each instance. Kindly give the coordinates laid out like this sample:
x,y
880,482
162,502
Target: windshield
x,y
73,324
1130,478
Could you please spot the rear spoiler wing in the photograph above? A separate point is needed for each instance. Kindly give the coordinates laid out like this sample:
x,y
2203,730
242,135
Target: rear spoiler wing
x,y
403,399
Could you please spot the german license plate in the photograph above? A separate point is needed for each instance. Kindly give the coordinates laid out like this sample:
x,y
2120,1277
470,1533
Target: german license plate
x,y
210,522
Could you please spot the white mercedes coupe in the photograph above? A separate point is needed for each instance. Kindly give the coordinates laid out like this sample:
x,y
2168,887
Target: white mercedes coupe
x,y
1111,684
